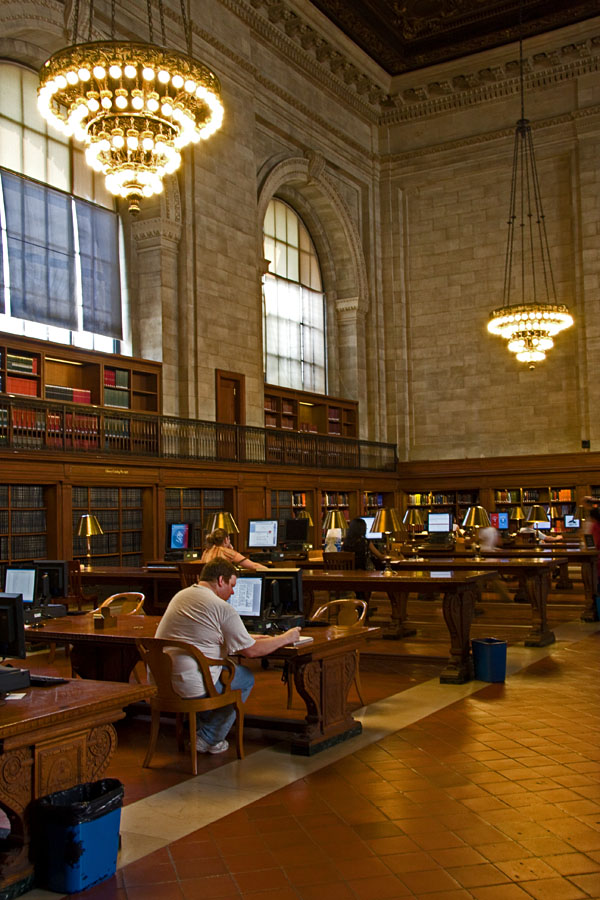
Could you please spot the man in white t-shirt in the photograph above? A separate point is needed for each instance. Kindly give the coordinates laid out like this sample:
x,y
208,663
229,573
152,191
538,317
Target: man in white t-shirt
x,y
201,616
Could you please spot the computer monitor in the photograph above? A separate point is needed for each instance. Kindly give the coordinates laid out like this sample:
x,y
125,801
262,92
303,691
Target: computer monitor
x,y
23,582
179,536
12,626
572,522
282,594
57,583
247,597
296,531
371,535
542,526
262,533
500,520
439,522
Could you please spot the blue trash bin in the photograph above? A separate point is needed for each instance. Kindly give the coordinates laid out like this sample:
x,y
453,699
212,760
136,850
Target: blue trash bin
x,y
489,659
76,840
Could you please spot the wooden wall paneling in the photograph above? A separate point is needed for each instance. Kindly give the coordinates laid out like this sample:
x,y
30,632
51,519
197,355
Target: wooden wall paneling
x,y
153,530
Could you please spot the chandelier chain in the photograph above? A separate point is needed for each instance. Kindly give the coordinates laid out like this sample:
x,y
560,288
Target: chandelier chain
x,y
161,13
75,22
150,22
91,19
112,20
186,28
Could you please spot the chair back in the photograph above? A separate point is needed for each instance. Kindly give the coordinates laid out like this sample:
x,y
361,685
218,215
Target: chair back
x,y
189,573
130,603
349,614
155,655
75,589
343,560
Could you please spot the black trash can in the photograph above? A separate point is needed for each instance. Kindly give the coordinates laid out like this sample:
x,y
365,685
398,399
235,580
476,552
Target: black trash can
x,y
76,838
489,659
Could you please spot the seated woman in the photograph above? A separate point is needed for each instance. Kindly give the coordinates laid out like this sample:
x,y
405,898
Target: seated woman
x,y
365,552
218,546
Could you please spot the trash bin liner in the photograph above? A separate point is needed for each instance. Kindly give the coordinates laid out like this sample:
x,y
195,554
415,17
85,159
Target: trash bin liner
x,y
76,838
489,659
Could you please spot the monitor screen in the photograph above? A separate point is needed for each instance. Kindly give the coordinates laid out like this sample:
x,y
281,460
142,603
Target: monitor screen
x,y
247,596
179,536
262,533
439,522
296,530
57,583
499,520
571,522
12,625
371,535
21,581
282,592
543,526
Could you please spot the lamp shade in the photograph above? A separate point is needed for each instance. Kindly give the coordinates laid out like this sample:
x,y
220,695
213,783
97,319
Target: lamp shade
x,y
387,521
516,513
413,517
304,514
222,520
537,514
335,519
89,526
476,517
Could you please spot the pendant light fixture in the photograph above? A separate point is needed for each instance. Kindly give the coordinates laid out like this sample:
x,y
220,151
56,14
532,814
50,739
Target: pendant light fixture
x,y
530,316
134,105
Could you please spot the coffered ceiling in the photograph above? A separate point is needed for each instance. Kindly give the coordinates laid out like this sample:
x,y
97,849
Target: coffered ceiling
x,y
403,35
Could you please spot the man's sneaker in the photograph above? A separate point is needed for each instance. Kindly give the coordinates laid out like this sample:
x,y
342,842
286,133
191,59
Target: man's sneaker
x,y
203,747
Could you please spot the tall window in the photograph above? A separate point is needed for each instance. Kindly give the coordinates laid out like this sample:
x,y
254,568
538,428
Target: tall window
x,y
294,304
61,274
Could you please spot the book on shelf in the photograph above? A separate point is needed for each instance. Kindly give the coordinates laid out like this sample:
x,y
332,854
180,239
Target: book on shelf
x,y
25,386
116,397
73,395
16,363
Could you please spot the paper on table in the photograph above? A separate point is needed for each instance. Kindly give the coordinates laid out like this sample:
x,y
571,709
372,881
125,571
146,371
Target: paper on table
x,y
306,639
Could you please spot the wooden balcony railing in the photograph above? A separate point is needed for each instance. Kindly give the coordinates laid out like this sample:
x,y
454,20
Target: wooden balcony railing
x,y
43,425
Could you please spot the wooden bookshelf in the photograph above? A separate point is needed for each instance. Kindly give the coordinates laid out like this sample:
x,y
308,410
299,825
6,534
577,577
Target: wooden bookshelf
x,y
454,502
23,522
119,511
304,411
191,506
31,368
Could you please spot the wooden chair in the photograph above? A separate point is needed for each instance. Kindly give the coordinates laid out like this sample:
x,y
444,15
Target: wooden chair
x,y
130,603
341,561
75,590
349,615
154,655
189,572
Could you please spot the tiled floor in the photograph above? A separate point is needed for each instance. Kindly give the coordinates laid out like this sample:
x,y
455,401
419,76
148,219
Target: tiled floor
x,y
452,792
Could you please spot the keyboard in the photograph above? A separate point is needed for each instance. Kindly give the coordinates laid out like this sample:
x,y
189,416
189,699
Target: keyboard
x,y
46,680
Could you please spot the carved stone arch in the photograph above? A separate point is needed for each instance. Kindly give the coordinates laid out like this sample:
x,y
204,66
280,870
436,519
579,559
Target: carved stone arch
x,y
304,183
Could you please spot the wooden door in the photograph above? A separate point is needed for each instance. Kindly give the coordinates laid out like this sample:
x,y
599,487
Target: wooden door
x,y
230,411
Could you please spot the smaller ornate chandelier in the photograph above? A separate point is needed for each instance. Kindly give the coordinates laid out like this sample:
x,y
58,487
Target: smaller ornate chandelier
x,y
133,105
530,325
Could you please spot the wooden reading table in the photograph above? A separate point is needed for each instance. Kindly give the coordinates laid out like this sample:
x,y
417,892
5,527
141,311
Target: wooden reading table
x,y
50,740
533,573
323,671
460,589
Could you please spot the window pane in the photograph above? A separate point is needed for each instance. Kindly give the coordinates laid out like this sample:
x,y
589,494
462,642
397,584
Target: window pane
x,y
292,264
269,227
280,262
10,95
315,274
304,242
59,166
11,139
292,227
100,281
31,114
269,250
280,221
34,155
304,268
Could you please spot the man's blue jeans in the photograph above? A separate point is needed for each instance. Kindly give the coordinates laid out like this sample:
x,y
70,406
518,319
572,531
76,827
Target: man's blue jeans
x,y
214,724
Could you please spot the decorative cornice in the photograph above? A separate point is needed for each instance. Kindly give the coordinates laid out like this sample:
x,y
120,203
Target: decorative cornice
x,y
571,118
298,40
155,231
494,82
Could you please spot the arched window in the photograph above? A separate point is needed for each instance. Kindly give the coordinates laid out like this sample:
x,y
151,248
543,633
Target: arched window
x,y
61,274
294,304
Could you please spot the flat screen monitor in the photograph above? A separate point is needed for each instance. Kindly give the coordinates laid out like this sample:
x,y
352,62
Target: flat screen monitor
x,y
262,533
179,536
572,522
57,584
12,626
499,520
296,531
371,535
21,581
439,522
247,596
543,526
282,593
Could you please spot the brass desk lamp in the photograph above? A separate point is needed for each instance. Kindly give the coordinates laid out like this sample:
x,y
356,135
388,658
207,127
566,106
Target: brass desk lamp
x,y
476,517
536,516
87,528
387,521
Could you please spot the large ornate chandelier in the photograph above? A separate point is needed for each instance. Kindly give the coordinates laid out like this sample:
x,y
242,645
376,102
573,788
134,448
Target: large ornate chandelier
x,y
530,324
134,106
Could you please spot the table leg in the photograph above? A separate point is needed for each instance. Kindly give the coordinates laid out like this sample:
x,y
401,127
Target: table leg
x,y
537,586
458,607
89,660
398,629
563,582
588,568
324,685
